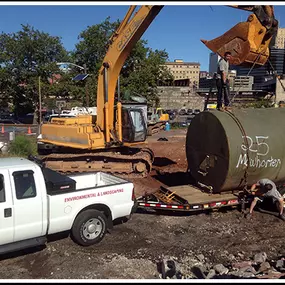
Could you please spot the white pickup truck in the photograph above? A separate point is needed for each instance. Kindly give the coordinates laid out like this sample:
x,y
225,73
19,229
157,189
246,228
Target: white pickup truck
x,y
36,202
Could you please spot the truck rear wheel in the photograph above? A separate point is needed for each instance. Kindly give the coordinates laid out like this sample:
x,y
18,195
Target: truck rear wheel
x,y
89,227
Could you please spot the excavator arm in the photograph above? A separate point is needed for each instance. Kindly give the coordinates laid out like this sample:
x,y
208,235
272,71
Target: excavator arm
x,y
122,42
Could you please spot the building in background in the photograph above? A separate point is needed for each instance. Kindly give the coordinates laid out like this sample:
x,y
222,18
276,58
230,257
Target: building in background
x,y
213,62
280,38
243,83
204,74
264,78
185,71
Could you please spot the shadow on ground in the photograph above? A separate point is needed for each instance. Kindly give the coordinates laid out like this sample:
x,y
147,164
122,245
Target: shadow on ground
x,y
174,178
163,161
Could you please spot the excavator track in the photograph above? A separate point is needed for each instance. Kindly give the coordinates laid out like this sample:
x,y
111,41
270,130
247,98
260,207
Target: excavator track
x,y
131,163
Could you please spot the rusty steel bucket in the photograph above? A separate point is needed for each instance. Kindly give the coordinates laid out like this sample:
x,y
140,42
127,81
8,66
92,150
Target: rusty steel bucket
x,y
247,42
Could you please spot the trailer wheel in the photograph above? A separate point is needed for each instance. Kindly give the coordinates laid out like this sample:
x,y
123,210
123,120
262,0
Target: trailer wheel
x,y
89,227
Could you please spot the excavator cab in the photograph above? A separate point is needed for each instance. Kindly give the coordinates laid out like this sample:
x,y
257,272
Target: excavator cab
x,y
134,128
247,41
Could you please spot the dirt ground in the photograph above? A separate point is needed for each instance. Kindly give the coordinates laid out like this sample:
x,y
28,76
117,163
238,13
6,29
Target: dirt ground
x,y
131,250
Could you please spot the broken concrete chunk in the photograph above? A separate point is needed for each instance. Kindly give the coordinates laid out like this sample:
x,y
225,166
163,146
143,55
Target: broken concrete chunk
x,y
211,274
243,264
201,257
198,271
231,257
260,257
246,275
221,269
241,255
248,269
279,263
264,266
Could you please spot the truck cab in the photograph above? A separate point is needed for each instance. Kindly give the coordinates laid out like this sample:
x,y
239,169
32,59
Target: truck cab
x,y
21,200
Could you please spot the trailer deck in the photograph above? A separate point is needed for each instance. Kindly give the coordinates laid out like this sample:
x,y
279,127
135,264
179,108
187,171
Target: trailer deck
x,y
189,198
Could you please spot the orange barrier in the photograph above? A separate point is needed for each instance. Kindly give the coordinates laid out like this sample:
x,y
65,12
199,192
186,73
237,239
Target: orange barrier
x,y
2,130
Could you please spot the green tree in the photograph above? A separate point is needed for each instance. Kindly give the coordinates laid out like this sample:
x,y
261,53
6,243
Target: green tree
x,y
141,72
93,45
24,56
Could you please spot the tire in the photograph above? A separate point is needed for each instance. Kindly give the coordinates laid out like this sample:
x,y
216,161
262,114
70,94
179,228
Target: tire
x,y
97,223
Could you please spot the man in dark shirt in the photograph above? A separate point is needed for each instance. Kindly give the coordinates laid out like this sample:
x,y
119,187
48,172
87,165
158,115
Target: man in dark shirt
x,y
223,82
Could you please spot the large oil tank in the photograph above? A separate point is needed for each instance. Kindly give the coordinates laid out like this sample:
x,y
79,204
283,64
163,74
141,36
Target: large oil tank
x,y
227,150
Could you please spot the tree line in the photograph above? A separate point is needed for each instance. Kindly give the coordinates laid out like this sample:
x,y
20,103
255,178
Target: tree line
x,y
30,56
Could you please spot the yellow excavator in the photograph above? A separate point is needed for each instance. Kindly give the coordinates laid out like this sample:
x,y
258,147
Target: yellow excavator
x,y
112,141
156,120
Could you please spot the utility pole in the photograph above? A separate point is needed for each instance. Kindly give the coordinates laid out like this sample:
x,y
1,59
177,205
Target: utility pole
x,y
40,100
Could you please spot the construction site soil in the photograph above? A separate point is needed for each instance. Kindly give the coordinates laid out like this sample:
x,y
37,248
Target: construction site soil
x,y
132,249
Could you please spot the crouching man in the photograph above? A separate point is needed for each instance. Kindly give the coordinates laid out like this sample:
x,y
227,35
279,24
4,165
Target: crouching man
x,y
265,188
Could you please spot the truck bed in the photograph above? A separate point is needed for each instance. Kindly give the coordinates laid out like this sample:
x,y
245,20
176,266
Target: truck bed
x,y
97,179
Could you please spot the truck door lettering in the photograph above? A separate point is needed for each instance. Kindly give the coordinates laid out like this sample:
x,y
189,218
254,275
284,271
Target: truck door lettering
x,y
109,192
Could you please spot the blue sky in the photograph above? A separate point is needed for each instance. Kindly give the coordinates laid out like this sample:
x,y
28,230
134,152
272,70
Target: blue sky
x,y
177,28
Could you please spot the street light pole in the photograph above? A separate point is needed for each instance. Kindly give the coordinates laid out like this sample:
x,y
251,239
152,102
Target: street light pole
x,y
40,101
70,63
86,89
85,71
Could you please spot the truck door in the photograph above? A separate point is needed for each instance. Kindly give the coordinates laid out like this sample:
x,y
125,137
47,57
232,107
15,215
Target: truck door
x,y
28,208
6,209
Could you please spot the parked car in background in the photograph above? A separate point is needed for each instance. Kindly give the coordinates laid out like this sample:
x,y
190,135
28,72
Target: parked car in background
x,y
48,118
188,120
27,119
171,114
197,111
190,112
182,112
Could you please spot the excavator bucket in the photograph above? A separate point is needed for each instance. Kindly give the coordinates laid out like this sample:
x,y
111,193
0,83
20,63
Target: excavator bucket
x,y
247,42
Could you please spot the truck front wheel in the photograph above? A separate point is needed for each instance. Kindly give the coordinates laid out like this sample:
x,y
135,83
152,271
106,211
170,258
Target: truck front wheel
x,y
89,227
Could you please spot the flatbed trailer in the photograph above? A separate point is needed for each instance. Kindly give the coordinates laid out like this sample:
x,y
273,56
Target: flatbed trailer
x,y
189,198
